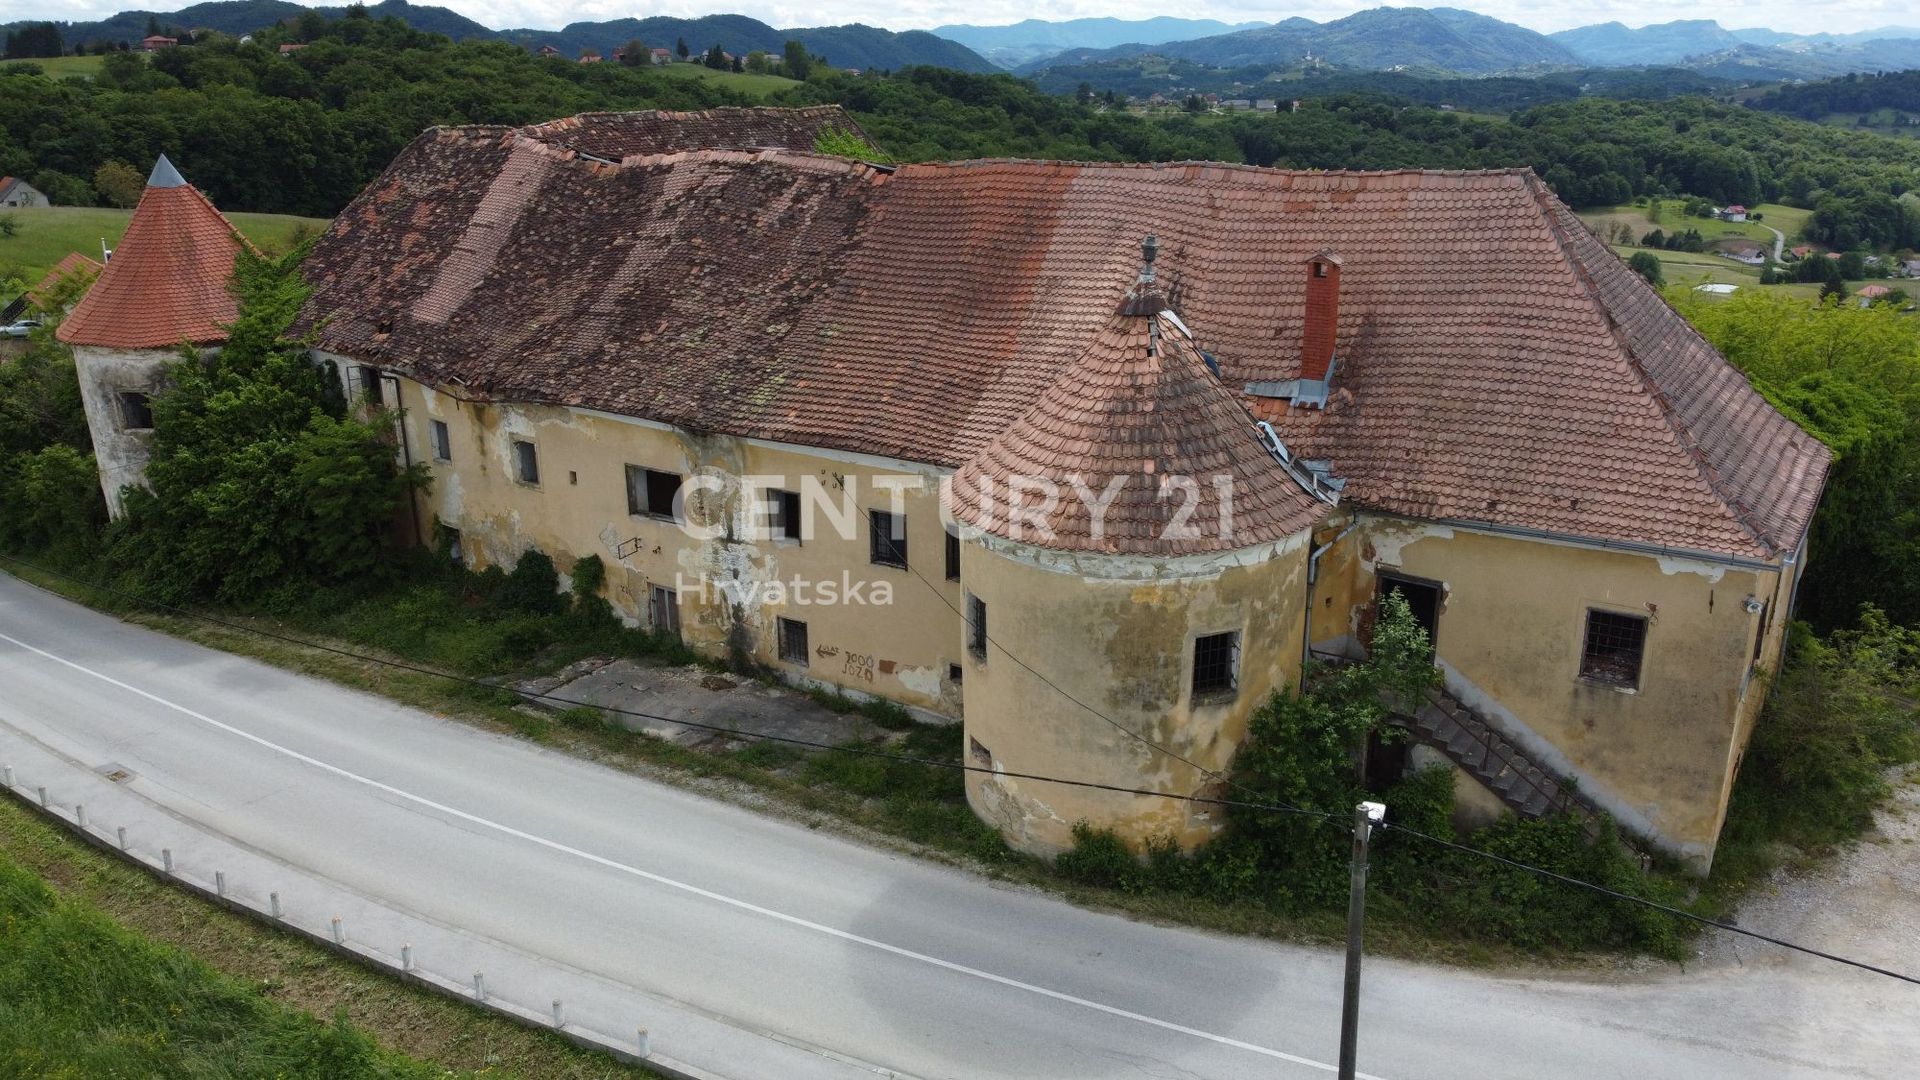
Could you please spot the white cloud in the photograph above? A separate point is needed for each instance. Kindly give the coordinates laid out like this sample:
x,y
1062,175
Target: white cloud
x,y
1803,17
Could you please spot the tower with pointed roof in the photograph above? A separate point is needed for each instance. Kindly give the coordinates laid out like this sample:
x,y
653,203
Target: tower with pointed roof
x,y
165,287
1140,503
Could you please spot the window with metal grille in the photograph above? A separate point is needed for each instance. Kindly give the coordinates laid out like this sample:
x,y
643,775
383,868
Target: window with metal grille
x,y
977,627
650,492
442,441
953,554
783,514
888,535
526,462
1216,663
1614,647
793,641
136,411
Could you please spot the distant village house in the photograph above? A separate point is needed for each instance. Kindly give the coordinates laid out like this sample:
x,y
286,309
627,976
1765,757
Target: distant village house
x,y
17,192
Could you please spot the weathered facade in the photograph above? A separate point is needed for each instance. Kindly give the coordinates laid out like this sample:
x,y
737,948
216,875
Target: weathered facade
x,y
1326,384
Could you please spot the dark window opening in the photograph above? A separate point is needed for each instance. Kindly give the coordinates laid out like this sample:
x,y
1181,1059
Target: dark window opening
x,y
980,755
1760,631
793,641
888,538
953,554
442,441
526,462
1319,269
663,610
783,514
451,544
1216,663
651,493
977,627
1387,761
1614,647
955,673
1423,601
136,411
370,385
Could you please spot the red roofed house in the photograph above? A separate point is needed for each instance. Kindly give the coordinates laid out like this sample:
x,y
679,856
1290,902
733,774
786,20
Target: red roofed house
x,y
17,192
156,42
63,285
165,286
951,435
661,56
548,50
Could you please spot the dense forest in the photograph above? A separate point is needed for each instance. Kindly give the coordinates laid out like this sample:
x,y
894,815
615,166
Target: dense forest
x,y
1898,90
233,116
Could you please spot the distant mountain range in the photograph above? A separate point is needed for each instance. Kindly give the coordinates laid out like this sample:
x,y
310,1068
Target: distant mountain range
x,y
845,46
1449,41
1037,39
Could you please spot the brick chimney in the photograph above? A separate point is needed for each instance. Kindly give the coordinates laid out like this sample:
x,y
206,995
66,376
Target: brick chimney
x,y
1323,315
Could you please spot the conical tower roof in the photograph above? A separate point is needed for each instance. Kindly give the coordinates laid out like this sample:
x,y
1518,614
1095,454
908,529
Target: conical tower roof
x,y
1141,408
167,281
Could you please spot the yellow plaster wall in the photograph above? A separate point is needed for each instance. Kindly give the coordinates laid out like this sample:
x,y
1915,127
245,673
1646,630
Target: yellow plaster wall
x,y
1510,631
1118,635
900,649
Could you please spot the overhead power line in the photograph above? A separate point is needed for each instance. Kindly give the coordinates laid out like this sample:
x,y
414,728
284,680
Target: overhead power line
x,y
1339,820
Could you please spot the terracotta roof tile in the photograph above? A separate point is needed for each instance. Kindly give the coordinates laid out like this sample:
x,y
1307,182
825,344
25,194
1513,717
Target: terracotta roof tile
x,y
166,284
614,136
72,266
1495,362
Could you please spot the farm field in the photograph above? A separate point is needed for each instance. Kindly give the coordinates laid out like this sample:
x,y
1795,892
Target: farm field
x,y
1638,218
759,86
44,235
59,67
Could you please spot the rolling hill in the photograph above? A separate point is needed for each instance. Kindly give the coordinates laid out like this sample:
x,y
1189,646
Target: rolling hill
x,y
1036,39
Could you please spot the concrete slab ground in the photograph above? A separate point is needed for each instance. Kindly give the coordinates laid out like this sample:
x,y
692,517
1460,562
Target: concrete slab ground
x,y
690,693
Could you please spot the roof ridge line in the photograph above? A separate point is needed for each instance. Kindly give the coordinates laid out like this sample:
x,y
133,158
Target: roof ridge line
x,y
1682,435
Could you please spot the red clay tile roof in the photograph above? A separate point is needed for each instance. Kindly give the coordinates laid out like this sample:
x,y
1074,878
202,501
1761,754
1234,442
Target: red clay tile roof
x,y
1141,409
614,136
167,281
1495,362
73,266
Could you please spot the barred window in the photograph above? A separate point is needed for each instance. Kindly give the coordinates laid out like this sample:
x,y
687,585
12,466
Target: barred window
x,y
1614,647
793,641
1216,663
953,554
977,627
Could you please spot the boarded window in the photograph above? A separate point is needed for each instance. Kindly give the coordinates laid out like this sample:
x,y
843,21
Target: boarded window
x,y
783,514
1613,649
663,610
953,554
1216,664
442,441
650,492
977,627
136,411
526,462
793,641
888,533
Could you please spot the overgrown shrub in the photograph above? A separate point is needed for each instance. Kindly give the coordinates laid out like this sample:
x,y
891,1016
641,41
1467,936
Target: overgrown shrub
x,y
534,586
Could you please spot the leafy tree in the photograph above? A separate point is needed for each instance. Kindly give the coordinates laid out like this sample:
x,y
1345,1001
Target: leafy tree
x,y
1654,239
795,61
62,189
119,183
35,40
635,54
1648,266
1833,288
716,57
260,484
681,49
841,142
738,67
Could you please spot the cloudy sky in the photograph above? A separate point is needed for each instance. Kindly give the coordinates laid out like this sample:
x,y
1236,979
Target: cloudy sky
x,y
1805,16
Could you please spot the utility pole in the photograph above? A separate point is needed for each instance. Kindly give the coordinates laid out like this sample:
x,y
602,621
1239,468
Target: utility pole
x,y
1365,816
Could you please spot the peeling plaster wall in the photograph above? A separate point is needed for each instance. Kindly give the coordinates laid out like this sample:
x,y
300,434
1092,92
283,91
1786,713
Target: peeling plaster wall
x,y
104,375
891,633
1117,633
1511,627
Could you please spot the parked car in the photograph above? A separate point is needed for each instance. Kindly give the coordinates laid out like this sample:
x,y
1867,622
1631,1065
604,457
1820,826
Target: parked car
x,y
21,328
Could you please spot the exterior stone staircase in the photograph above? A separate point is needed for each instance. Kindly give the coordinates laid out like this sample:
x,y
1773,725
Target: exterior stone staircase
x,y
1467,740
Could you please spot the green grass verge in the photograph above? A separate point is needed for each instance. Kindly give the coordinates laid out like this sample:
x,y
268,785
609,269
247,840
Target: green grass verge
x,y
44,235
741,82
60,67
107,972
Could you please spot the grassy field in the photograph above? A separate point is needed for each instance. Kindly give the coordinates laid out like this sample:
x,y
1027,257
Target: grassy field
x,y
1639,219
59,67
108,972
752,85
1696,268
45,234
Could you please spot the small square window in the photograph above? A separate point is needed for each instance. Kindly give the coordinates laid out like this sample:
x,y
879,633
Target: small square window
x,y
955,673
442,440
136,411
888,536
977,627
953,554
526,462
783,514
451,543
1614,647
1216,664
793,641
651,493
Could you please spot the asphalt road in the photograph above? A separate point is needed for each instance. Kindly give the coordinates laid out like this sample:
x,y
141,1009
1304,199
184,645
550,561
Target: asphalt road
x,y
860,960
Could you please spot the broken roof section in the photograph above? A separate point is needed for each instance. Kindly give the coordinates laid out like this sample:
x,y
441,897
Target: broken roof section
x,y
166,284
1135,449
1496,363
616,136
